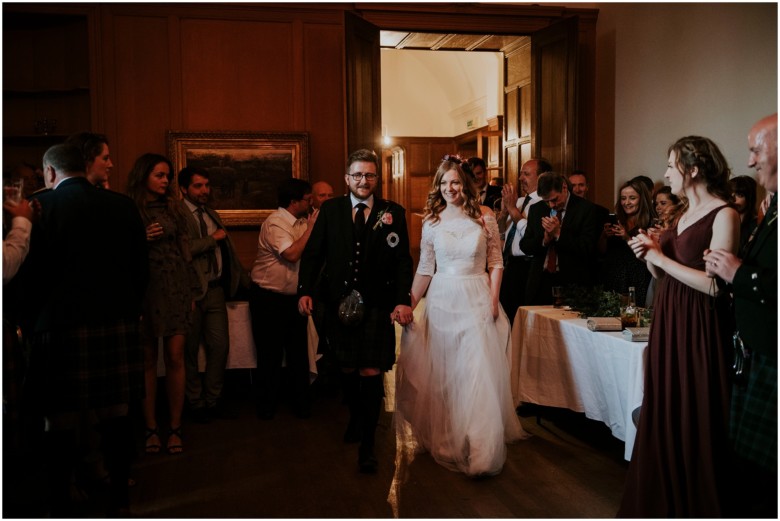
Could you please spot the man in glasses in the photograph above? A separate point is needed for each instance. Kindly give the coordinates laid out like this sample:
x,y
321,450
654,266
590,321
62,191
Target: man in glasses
x,y
363,243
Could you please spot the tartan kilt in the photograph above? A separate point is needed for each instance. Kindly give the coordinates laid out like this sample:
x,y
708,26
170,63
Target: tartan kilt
x,y
754,414
371,343
87,367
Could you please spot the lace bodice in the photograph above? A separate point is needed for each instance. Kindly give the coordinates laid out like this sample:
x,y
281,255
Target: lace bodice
x,y
460,246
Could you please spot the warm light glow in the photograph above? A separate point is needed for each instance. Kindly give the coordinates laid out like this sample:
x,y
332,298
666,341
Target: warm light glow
x,y
387,140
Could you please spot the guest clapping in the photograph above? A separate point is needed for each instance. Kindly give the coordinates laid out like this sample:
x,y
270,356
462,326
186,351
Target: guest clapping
x,y
680,463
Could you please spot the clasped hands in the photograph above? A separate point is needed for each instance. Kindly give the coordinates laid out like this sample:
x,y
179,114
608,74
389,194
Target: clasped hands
x,y
552,228
645,246
402,314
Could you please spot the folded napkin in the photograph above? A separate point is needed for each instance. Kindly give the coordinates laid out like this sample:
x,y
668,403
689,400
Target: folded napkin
x,y
604,324
637,334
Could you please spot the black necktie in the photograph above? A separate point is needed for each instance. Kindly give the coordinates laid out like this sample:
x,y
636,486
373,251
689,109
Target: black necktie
x,y
512,230
360,218
204,232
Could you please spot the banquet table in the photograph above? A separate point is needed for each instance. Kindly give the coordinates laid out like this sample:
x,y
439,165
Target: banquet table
x,y
558,362
242,353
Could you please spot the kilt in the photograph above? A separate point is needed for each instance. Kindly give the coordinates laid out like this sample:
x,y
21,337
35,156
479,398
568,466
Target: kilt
x,y
371,343
754,414
87,367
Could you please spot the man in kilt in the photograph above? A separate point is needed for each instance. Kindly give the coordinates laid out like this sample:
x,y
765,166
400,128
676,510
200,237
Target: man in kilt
x,y
85,277
363,243
753,283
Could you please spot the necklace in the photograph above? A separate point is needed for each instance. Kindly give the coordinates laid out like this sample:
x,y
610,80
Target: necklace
x,y
693,216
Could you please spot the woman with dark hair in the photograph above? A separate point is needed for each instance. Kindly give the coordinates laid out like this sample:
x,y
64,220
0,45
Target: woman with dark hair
x,y
169,296
680,462
94,149
620,269
743,190
452,392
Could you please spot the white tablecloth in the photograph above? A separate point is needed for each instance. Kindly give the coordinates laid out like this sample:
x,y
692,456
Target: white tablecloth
x,y
557,361
242,353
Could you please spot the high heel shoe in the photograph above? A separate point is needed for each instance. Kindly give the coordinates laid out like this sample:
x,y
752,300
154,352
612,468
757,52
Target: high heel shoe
x,y
150,446
175,448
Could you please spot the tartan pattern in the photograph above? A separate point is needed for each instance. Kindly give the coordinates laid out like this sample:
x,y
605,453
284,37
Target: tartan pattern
x,y
371,343
87,367
754,414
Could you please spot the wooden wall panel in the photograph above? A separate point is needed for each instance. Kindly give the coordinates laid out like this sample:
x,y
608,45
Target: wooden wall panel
x,y
323,55
237,75
143,90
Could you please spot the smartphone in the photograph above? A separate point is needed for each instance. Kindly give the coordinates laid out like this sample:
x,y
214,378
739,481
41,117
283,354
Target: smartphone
x,y
612,219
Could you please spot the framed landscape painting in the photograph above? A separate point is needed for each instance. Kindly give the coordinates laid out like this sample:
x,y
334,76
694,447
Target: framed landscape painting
x,y
244,168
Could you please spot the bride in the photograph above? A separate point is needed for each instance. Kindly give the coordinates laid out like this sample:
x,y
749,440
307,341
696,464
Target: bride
x,y
453,395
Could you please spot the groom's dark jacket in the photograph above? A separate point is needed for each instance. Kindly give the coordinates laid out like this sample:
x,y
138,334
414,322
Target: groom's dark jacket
x,y
384,257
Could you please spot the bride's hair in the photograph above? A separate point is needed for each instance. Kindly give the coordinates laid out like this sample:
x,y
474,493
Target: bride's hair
x,y
436,203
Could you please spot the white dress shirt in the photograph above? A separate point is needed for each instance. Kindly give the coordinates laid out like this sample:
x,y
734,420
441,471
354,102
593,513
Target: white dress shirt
x,y
270,270
522,224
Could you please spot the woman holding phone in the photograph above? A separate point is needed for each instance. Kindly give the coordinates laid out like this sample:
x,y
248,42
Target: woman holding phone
x,y
620,269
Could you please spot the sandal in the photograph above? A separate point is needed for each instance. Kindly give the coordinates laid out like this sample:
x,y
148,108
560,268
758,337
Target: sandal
x,y
175,448
151,447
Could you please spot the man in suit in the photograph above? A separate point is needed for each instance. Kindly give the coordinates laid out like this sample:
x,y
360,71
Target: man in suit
x,y
363,243
220,275
561,235
516,262
488,194
753,284
86,274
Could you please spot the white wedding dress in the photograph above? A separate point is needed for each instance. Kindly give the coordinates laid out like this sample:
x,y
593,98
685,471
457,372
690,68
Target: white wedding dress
x,y
453,396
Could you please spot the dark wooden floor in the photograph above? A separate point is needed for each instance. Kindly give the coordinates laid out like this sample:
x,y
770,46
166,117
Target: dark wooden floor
x,y
294,468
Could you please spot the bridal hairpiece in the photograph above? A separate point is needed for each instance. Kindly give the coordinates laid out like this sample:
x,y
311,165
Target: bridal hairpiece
x,y
453,158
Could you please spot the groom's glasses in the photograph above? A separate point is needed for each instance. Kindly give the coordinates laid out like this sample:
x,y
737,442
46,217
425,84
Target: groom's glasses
x,y
358,177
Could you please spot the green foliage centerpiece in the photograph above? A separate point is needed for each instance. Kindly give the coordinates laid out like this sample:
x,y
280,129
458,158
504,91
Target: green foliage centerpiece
x,y
592,301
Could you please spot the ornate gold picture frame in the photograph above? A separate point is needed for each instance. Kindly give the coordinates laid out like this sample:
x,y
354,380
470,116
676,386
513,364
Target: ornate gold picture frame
x,y
244,168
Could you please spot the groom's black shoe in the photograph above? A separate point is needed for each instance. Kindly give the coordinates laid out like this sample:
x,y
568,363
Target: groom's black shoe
x,y
367,461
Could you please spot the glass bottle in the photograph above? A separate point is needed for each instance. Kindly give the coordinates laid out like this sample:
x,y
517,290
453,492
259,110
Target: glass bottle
x,y
629,314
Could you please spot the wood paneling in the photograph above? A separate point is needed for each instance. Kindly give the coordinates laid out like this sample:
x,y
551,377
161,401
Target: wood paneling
x,y
143,90
226,86
323,52
554,67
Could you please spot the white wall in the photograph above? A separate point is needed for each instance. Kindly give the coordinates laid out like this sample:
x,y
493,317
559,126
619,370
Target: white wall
x,y
680,69
663,71
435,93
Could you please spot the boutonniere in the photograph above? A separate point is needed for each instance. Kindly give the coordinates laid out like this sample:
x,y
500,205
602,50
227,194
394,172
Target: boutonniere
x,y
382,218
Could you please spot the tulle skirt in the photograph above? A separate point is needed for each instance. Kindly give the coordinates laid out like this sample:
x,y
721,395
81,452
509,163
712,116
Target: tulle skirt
x,y
453,396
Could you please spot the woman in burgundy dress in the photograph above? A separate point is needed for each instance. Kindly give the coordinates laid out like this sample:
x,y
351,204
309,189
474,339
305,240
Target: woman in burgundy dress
x,y
680,462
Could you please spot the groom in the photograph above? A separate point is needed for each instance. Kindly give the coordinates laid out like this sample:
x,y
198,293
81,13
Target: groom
x,y
363,243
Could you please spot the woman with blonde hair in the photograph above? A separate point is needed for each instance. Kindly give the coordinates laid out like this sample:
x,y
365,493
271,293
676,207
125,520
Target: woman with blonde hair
x,y
453,394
